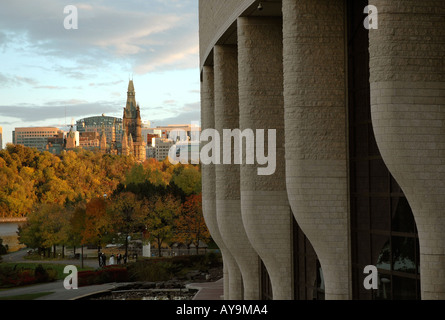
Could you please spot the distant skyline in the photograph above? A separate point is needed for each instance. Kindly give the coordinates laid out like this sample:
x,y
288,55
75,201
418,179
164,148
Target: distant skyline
x,y
46,70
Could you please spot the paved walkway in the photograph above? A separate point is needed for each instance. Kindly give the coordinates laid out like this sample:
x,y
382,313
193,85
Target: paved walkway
x,y
208,290
57,290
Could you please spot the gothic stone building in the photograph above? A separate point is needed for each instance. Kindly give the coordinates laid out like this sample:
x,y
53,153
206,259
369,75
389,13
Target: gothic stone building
x,y
132,142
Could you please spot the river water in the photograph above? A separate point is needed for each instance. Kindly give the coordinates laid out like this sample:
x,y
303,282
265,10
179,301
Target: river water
x,y
8,232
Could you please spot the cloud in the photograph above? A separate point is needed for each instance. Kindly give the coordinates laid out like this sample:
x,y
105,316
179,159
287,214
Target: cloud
x,y
190,112
181,118
56,110
191,106
149,35
49,87
102,84
9,80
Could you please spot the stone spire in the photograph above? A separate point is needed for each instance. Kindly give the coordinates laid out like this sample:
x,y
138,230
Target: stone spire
x,y
124,142
103,140
130,108
131,144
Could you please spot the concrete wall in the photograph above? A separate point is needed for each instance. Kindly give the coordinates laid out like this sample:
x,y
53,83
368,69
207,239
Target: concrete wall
x,y
227,198
215,17
265,208
315,122
407,78
228,201
208,174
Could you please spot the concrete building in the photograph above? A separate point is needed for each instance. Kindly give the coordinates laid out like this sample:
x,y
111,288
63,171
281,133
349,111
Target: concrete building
x,y
179,132
161,147
358,104
35,137
112,126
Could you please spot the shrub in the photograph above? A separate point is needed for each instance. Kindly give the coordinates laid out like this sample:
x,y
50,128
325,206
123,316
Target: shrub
x,y
16,275
41,274
166,268
105,275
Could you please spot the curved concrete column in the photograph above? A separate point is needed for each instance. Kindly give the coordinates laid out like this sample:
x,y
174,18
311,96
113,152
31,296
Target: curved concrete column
x,y
315,121
407,78
228,204
208,177
265,208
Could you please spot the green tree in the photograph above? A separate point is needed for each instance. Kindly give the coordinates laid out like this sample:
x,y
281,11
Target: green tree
x,y
188,179
161,213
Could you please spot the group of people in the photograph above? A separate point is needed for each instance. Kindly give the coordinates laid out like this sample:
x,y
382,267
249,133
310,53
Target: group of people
x,y
113,259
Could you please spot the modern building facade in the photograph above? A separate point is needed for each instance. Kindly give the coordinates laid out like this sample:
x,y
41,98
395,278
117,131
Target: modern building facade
x,y
161,147
35,137
357,101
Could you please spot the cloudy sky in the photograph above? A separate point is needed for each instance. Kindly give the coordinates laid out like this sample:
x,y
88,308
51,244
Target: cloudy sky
x,y
50,75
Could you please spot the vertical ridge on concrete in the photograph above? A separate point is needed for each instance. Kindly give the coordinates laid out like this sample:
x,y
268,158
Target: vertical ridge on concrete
x,y
265,209
227,176
208,173
315,122
407,79
228,203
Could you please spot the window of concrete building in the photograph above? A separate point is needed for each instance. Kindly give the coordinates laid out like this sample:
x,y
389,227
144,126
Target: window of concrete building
x,y
308,277
266,286
383,230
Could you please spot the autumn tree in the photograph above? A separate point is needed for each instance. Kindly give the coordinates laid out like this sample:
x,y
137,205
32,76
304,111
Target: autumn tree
x,y
77,226
126,214
96,221
29,177
190,225
162,210
46,227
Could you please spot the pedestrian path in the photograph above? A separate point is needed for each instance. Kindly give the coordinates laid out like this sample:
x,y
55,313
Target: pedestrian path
x,y
57,291
208,290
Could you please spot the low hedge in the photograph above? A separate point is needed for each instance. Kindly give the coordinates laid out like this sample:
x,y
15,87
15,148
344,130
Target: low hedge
x,y
166,268
105,275
13,276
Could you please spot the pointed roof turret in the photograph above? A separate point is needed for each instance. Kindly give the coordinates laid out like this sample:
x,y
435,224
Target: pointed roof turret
x,y
130,87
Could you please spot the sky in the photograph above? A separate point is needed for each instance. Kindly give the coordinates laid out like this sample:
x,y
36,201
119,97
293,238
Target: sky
x,y
52,76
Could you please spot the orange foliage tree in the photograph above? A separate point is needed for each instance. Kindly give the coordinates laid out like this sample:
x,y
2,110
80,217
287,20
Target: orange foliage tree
x,y
190,225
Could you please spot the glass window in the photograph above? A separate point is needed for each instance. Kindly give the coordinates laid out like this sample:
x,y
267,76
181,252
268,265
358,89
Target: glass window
x,y
400,221
383,229
403,254
405,288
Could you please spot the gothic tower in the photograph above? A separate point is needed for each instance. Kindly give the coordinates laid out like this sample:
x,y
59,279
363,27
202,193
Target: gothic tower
x,y
132,125
103,141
